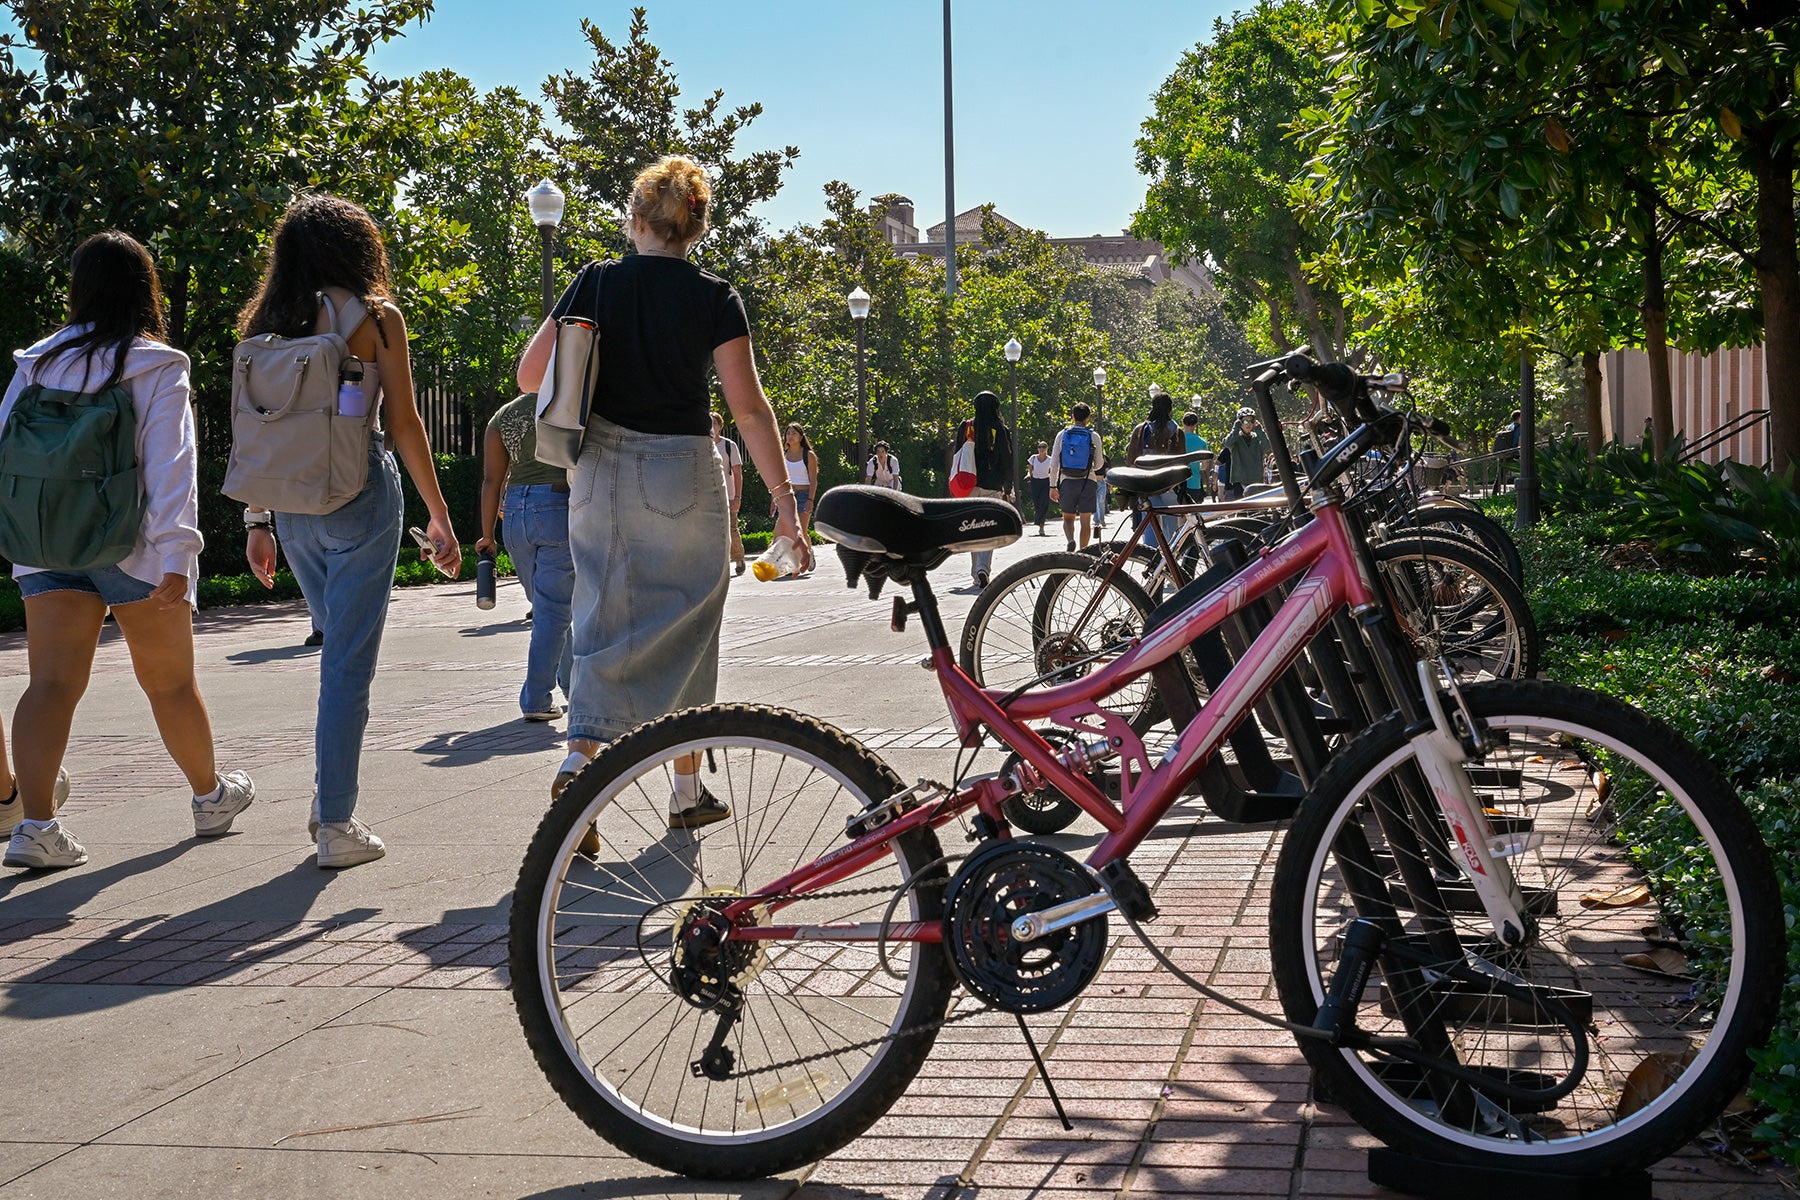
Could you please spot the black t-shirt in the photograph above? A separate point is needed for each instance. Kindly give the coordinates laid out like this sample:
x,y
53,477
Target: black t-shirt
x,y
660,320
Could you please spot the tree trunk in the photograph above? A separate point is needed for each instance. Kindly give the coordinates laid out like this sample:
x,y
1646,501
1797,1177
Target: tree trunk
x,y
1306,307
1778,274
1656,331
1592,392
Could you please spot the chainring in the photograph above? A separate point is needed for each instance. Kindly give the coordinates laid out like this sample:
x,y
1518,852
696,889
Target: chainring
x,y
995,887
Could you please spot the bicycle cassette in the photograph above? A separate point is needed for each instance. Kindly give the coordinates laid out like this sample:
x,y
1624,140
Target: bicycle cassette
x,y
994,888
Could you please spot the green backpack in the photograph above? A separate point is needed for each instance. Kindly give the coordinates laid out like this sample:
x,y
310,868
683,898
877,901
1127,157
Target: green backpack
x,y
69,494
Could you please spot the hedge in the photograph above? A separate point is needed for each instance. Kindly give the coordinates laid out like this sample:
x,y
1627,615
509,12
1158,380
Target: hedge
x,y
1718,657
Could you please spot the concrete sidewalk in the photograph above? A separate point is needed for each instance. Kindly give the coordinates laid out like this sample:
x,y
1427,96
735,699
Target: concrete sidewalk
x,y
181,1018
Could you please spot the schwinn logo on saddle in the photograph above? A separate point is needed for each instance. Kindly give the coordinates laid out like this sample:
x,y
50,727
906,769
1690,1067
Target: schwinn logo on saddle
x,y
975,523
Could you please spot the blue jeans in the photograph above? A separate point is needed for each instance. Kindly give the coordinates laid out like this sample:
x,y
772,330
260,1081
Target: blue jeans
x,y
344,561
537,539
1170,525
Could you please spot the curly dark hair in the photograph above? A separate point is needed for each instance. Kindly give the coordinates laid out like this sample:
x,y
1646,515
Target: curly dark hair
x,y
321,241
113,288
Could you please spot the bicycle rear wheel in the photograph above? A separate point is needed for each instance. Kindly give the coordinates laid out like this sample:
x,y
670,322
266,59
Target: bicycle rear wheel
x,y
1620,826
1454,601
615,980
1059,615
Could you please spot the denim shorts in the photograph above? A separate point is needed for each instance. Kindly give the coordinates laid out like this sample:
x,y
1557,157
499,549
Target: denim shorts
x,y
111,584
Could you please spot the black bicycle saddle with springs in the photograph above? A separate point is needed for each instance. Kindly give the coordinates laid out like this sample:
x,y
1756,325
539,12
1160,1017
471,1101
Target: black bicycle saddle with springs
x,y
882,534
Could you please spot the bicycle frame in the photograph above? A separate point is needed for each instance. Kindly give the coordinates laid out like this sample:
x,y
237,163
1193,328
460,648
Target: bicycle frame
x,y
1323,556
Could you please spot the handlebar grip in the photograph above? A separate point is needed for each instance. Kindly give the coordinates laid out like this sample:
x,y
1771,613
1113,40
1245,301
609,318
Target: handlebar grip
x,y
1299,367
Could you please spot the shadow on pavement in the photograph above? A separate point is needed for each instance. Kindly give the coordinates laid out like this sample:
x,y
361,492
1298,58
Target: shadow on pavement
x,y
677,1187
171,940
461,747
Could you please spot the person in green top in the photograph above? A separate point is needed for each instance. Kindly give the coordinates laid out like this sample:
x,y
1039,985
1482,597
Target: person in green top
x,y
537,538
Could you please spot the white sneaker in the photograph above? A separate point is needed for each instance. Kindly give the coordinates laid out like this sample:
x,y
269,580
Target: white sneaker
x,y
12,809
348,844
214,817
45,848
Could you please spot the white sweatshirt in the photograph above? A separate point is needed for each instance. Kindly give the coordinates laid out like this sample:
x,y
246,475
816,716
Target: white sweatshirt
x,y
156,375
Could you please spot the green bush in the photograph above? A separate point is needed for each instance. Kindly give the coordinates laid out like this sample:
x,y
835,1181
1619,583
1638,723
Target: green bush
x,y
28,306
1718,657
226,591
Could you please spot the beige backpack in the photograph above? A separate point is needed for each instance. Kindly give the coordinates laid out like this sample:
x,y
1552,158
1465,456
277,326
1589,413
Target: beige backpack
x,y
291,449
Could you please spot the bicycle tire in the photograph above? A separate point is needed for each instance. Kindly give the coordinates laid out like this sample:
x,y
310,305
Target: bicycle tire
x,y
1483,626
586,950
1652,795
1033,619
1490,533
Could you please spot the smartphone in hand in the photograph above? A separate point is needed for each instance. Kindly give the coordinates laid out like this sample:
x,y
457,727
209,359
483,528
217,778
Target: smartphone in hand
x,y
430,550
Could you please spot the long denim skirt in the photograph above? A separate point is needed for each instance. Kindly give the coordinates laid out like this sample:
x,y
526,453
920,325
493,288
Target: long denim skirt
x,y
647,530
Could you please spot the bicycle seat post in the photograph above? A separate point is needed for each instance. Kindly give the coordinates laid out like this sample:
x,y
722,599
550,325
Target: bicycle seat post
x,y
925,605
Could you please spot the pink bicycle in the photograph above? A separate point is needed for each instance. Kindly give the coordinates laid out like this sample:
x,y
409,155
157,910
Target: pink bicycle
x,y
1451,916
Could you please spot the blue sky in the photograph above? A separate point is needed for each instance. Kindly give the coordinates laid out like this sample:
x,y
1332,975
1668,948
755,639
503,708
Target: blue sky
x,y
1049,94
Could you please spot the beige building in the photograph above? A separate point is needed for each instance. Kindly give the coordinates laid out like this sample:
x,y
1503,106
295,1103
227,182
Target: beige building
x,y
1140,263
1710,392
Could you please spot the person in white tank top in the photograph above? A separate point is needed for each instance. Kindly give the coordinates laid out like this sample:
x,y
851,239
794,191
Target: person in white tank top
x,y
802,470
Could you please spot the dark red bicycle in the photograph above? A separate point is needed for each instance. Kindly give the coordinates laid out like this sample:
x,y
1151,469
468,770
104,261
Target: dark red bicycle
x,y
1451,911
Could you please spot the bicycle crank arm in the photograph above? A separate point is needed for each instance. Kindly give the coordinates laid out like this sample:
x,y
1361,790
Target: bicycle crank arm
x,y
1032,926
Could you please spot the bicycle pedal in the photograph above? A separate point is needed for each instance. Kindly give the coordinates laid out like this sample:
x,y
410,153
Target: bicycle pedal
x,y
1128,891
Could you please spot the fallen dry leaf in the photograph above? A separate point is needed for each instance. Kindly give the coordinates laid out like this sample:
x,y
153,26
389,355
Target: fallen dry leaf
x,y
1624,897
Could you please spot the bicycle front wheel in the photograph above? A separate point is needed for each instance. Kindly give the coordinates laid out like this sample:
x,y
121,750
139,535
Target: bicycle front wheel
x,y
619,985
1621,1025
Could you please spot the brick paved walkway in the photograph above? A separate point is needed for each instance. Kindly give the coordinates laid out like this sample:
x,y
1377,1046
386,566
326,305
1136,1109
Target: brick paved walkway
x,y
224,1019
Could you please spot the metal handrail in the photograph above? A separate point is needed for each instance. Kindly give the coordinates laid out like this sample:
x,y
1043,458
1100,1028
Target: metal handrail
x,y
1730,429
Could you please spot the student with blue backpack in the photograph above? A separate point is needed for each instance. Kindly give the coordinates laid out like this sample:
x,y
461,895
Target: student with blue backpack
x,y
1076,460
96,434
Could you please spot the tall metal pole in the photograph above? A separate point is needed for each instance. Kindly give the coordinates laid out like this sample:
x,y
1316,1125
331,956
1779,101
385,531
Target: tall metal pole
x,y
548,232
862,404
1526,494
1012,392
949,168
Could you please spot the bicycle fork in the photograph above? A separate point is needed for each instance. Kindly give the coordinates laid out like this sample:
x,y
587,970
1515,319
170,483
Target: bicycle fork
x,y
1442,752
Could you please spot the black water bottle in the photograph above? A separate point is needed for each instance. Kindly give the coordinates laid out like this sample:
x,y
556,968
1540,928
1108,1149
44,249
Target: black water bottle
x,y
484,580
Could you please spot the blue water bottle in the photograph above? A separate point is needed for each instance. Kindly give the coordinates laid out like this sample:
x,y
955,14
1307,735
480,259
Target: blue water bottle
x,y
351,402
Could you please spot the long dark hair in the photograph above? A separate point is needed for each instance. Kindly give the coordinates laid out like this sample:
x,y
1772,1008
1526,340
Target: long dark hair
x,y
993,440
321,242
805,446
113,287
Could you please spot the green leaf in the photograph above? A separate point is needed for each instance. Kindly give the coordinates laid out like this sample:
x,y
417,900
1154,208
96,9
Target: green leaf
x,y
1509,199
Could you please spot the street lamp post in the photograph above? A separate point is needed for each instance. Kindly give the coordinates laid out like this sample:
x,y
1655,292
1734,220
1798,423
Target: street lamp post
x,y
546,204
859,301
1014,352
1099,401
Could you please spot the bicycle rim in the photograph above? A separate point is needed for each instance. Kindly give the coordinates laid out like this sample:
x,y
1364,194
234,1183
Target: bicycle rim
x,y
604,938
1624,811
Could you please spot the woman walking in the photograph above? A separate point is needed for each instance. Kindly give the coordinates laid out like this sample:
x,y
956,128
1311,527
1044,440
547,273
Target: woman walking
x,y
113,338
1040,483
802,467
650,583
993,469
537,539
328,270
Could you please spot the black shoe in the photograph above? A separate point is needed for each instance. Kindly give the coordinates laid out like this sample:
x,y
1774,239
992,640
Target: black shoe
x,y
315,638
738,569
981,579
1071,545
704,811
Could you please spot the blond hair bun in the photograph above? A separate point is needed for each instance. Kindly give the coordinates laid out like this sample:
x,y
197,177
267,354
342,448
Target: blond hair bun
x,y
674,198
